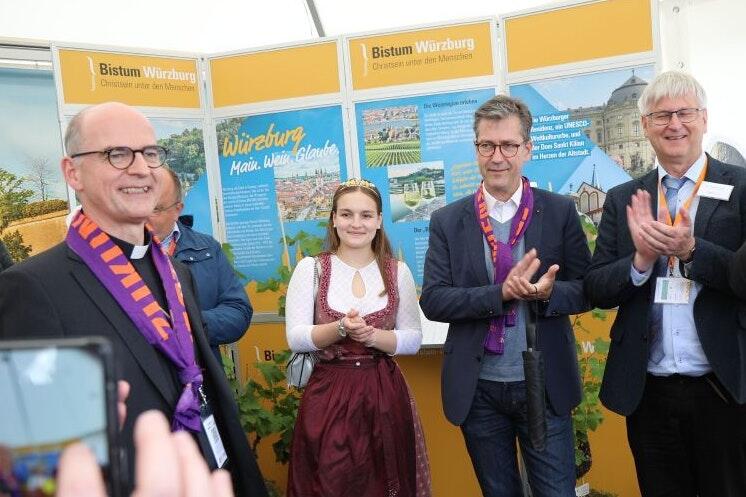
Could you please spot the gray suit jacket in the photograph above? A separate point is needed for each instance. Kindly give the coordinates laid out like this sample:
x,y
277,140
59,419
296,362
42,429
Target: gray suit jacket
x,y
719,229
457,290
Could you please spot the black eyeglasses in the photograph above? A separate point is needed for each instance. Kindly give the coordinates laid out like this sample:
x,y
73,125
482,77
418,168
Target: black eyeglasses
x,y
160,210
664,117
123,157
508,150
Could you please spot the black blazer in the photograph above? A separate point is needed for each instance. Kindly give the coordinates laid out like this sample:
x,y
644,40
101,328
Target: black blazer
x,y
457,290
719,229
54,294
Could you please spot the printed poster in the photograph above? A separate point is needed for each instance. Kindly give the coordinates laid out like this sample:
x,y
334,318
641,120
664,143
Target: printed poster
x,y
419,151
587,134
184,140
278,174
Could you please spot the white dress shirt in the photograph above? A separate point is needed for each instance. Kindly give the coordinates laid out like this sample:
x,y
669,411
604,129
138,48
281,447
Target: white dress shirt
x,y
299,303
678,350
502,211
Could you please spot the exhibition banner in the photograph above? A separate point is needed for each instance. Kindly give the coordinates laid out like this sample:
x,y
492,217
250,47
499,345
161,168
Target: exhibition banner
x,y
92,77
419,151
587,134
421,56
291,72
570,34
278,173
183,138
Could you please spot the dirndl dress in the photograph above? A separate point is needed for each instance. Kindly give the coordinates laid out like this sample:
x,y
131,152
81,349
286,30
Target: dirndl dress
x,y
357,433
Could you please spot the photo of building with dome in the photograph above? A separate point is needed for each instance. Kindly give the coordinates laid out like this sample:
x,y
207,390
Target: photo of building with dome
x,y
616,128
587,134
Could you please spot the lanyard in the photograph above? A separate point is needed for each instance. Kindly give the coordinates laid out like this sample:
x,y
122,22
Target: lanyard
x,y
502,256
663,203
172,246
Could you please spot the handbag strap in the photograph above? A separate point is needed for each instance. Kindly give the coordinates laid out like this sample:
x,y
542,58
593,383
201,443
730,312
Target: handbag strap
x,y
315,277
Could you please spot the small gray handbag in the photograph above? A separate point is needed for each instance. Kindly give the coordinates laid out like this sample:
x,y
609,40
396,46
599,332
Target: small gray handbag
x,y
300,366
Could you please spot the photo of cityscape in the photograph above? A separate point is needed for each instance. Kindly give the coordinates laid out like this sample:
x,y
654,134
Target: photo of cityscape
x,y
392,136
416,190
304,190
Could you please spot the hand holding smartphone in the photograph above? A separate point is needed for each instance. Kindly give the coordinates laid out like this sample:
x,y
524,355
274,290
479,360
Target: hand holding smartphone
x,y
55,393
168,465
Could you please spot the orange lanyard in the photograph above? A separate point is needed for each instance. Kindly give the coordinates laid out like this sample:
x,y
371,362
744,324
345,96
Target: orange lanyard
x,y
172,247
662,202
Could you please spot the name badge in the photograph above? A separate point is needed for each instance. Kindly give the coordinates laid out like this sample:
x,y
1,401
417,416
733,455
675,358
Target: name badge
x,y
210,431
216,443
718,191
672,290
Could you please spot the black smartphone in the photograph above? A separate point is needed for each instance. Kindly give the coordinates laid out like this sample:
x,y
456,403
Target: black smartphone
x,y
54,393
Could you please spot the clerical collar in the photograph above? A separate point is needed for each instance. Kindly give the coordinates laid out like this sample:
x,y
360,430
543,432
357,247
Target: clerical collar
x,y
133,251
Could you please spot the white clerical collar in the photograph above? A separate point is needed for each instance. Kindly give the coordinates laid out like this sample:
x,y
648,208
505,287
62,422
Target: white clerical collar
x,y
692,173
139,251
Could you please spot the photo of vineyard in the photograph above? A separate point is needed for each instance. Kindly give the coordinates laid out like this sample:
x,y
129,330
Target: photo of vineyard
x,y
392,136
386,154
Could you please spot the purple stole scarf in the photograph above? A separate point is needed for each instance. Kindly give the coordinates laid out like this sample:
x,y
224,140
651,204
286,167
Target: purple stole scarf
x,y
170,334
502,256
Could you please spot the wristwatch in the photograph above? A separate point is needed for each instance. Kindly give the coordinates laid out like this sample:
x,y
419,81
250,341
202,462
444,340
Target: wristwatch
x,y
341,328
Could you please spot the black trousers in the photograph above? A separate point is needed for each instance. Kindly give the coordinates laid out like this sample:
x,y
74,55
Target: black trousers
x,y
688,439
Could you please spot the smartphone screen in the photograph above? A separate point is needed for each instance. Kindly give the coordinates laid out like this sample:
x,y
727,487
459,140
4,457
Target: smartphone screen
x,y
54,393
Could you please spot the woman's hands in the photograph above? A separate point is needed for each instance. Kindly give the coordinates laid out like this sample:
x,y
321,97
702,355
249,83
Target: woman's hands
x,y
358,330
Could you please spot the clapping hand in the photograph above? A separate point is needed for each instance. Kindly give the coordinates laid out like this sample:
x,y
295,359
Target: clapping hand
x,y
676,241
357,329
518,286
653,238
639,216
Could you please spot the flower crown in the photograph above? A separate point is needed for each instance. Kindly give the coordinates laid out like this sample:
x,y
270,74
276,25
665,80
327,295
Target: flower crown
x,y
355,182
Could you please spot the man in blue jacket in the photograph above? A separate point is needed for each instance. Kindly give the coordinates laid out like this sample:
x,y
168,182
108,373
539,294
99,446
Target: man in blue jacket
x,y
226,310
489,255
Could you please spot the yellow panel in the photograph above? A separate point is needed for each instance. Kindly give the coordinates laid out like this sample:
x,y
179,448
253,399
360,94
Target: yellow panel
x,y
275,74
96,77
604,29
460,51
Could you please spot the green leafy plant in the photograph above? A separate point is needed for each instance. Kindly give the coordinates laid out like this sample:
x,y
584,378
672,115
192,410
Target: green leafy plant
x,y
587,416
267,406
308,245
13,241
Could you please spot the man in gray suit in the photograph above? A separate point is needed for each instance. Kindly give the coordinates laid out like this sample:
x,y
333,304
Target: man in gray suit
x,y
676,365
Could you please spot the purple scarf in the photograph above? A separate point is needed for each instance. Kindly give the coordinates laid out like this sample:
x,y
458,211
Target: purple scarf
x,y
502,257
170,334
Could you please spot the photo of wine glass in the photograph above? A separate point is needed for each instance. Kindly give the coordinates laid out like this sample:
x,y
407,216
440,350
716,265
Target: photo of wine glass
x,y
416,190
412,196
428,189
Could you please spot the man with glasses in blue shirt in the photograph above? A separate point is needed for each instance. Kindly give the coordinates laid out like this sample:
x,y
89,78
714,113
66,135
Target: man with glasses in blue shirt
x,y
677,363
226,311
